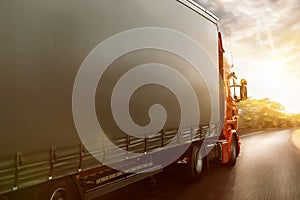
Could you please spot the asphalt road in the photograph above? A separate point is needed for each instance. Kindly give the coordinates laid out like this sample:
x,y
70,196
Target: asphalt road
x,y
268,168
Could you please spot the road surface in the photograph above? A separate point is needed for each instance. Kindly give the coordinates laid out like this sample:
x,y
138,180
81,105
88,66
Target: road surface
x,y
268,168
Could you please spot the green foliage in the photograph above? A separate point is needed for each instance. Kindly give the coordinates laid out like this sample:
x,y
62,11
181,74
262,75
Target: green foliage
x,y
264,113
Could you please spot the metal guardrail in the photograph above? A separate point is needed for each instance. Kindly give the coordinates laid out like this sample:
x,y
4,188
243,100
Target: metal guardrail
x,y
22,171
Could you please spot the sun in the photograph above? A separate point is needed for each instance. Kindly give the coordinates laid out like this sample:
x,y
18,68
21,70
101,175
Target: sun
x,y
277,64
272,79
273,72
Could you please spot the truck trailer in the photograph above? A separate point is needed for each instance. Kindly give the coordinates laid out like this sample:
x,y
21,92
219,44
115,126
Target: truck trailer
x,y
96,95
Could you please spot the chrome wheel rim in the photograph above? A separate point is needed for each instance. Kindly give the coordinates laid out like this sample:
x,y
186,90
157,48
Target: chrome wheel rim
x,y
59,194
199,163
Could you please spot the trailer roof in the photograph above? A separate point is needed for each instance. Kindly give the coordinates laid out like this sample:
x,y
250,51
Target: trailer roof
x,y
200,10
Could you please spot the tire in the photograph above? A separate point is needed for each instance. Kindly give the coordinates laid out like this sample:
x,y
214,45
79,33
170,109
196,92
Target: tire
x,y
61,189
196,165
233,151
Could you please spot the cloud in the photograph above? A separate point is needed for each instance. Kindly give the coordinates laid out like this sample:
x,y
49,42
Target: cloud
x,y
262,34
253,15
257,27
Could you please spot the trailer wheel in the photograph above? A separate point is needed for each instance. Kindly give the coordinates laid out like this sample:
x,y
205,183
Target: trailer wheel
x,y
196,164
233,151
62,189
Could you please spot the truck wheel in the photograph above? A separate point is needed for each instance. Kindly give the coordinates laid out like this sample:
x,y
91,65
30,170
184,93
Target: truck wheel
x,y
62,189
233,151
196,164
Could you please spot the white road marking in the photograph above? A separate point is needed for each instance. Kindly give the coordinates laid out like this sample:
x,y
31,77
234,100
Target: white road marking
x,y
254,133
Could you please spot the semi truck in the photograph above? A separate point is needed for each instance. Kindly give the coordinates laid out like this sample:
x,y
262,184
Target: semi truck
x,y
96,95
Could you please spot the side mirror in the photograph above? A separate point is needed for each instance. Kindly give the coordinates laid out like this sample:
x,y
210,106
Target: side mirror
x,y
243,82
243,90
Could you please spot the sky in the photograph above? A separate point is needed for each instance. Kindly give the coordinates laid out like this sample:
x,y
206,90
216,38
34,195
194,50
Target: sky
x,y
262,40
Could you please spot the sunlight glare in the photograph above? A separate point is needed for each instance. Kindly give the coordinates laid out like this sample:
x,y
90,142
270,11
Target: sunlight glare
x,y
296,138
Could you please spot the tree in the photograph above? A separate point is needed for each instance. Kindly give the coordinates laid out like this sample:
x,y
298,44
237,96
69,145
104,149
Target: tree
x,y
264,113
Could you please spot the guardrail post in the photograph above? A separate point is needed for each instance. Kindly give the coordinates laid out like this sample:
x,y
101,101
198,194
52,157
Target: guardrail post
x,y
127,145
145,147
18,162
52,161
81,154
162,137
